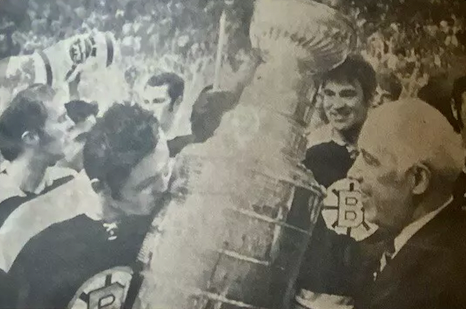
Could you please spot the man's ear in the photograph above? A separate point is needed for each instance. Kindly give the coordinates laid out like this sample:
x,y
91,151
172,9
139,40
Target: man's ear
x,y
30,138
175,103
422,178
454,110
97,186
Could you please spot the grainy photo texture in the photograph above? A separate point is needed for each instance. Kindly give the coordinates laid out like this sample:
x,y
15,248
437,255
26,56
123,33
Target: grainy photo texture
x,y
232,154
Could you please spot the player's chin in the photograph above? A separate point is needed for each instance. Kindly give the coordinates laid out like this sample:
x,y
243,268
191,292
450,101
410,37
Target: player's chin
x,y
139,212
342,125
147,207
55,157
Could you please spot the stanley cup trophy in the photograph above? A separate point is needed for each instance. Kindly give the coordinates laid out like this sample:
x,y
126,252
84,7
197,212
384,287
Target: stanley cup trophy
x,y
228,239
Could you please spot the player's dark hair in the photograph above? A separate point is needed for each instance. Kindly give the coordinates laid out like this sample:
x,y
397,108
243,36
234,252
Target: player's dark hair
x,y
79,110
118,142
354,68
26,112
400,51
438,93
175,85
459,87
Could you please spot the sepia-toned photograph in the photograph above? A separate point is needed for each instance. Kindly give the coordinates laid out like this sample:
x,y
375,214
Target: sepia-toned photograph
x,y
232,154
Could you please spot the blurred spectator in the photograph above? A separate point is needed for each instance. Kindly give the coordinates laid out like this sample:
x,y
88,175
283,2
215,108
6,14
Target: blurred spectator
x,y
437,93
388,89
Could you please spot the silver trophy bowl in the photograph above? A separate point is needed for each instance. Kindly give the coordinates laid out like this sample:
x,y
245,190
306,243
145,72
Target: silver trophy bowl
x,y
304,29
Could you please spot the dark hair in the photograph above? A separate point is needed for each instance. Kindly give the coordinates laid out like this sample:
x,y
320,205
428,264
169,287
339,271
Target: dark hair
x,y
390,83
175,85
355,68
400,51
437,93
79,110
118,142
459,87
26,112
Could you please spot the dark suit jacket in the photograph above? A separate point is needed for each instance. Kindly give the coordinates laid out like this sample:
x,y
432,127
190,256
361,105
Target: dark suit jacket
x,y
429,272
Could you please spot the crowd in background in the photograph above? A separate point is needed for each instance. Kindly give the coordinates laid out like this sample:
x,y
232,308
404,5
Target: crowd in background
x,y
403,44
179,31
411,38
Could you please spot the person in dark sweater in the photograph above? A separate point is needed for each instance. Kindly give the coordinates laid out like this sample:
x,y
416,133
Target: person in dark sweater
x,y
459,111
88,259
347,94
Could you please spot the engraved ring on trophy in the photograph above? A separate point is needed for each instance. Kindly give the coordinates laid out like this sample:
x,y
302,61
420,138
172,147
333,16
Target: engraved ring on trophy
x,y
315,32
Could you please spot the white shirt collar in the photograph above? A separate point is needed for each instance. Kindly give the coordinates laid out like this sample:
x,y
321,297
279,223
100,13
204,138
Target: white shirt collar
x,y
52,173
414,227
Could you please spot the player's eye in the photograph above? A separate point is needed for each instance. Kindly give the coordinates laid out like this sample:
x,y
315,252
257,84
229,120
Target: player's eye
x,y
329,93
158,101
146,101
348,94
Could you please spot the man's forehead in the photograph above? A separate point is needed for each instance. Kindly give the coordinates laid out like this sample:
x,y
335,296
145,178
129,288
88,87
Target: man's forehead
x,y
156,91
338,86
376,141
381,152
54,107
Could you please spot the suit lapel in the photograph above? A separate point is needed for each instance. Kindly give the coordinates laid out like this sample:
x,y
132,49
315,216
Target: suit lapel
x,y
411,256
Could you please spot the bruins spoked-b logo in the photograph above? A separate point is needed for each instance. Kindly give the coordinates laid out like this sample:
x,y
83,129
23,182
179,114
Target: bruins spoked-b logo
x,y
106,290
81,49
343,211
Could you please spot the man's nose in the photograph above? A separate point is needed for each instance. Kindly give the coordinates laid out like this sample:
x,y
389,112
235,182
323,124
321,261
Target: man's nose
x,y
377,99
355,173
338,103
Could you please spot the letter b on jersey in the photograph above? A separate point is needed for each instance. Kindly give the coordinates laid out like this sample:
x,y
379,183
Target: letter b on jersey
x,y
109,297
350,213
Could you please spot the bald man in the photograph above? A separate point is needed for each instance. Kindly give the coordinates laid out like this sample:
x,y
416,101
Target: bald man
x,y
409,160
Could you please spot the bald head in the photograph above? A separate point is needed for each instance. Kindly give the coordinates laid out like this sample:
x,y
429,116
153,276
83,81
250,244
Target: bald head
x,y
412,131
409,159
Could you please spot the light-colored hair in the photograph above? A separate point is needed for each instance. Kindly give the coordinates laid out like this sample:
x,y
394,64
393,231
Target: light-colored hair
x,y
416,132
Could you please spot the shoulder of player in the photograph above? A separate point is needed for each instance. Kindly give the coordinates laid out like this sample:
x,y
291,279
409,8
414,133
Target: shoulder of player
x,y
57,233
320,135
324,150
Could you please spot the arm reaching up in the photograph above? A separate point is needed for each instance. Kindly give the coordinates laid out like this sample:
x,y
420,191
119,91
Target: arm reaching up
x,y
57,65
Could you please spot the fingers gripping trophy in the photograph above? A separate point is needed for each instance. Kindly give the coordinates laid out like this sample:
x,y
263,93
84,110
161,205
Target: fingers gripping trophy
x,y
228,240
